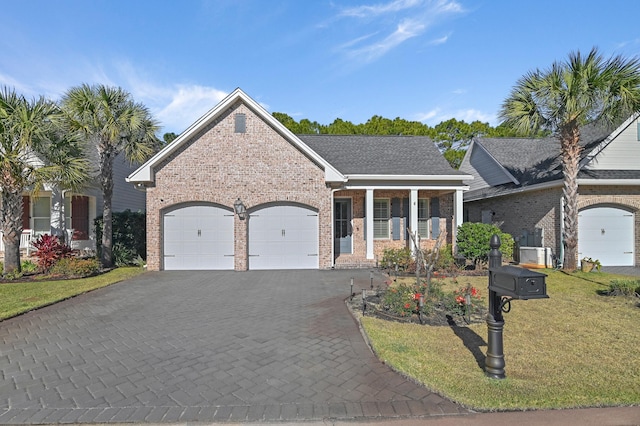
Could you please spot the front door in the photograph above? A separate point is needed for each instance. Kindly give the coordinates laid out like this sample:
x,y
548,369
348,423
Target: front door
x,y
342,226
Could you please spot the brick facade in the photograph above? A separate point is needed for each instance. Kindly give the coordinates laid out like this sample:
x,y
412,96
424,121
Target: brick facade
x,y
358,255
541,209
219,165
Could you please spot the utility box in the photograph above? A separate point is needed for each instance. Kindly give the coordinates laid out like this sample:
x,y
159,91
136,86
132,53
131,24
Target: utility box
x,y
517,283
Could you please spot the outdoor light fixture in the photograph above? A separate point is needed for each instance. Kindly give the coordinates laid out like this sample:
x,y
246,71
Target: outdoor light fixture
x,y
240,209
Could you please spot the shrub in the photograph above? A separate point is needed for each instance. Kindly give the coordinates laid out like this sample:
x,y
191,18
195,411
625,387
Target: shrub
x,y
402,257
129,231
402,299
75,267
624,288
473,241
49,250
445,259
28,266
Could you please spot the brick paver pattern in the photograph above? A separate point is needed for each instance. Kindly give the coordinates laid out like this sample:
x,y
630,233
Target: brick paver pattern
x,y
203,346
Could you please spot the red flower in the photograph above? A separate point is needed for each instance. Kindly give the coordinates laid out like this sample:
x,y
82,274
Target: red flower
x,y
460,300
417,296
407,305
474,291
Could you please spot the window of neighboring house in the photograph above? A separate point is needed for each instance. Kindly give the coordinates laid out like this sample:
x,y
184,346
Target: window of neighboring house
x,y
423,217
41,217
487,216
381,218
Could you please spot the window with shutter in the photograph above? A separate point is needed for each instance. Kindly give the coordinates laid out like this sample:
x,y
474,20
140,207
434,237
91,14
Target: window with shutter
x,y
381,218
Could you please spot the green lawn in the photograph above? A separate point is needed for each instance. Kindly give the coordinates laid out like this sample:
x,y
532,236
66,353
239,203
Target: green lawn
x,y
575,349
25,296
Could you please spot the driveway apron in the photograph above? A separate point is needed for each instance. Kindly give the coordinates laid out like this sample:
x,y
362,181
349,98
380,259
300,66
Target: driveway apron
x,y
203,346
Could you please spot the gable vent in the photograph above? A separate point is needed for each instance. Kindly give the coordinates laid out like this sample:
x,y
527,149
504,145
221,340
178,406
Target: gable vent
x,y
241,123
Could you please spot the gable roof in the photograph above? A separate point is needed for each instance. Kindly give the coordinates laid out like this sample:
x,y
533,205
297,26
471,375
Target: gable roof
x,y
384,156
145,173
342,158
535,161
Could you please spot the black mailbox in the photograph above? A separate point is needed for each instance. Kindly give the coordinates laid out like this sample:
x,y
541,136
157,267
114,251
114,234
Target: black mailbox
x,y
517,283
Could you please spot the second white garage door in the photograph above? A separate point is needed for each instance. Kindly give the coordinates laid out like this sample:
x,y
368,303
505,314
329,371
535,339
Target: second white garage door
x,y
606,234
283,237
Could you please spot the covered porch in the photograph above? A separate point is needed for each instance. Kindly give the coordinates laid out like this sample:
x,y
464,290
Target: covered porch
x,y
369,219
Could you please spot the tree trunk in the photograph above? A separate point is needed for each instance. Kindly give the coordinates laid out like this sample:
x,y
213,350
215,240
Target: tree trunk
x,y
106,169
11,220
569,138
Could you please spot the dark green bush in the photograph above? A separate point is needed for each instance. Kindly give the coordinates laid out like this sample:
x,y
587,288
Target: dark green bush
x,y
75,267
129,236
473,241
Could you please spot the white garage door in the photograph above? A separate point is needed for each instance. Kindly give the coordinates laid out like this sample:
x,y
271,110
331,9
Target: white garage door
x,y
198,237
606,234
283,237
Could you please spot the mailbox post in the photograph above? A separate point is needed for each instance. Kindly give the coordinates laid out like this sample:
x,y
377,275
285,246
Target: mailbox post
x,y
505,284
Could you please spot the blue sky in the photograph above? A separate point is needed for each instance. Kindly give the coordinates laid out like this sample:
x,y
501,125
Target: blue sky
x,y
426,60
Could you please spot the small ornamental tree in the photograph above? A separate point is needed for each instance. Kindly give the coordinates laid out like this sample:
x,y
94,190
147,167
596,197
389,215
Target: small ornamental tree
x,y
50,250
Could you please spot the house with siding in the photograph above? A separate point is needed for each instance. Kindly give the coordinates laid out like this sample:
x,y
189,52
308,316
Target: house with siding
x,y
56,212
518,186
237,190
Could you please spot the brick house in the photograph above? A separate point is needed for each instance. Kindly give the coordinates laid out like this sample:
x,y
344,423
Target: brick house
x,y
310,201
518,185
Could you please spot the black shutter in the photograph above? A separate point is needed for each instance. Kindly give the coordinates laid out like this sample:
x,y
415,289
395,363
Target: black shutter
x,y
395,218
435,218
405,210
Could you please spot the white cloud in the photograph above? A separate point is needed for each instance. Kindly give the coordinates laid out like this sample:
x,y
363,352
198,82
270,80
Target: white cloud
x,y
378,9
395,22
440,40
438,115
187,103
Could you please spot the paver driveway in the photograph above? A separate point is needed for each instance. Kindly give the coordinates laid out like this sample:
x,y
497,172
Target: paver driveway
x,y
202,346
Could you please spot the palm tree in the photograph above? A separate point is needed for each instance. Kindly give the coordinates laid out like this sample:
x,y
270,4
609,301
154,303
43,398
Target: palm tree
x,y
561,99
113,123
30,153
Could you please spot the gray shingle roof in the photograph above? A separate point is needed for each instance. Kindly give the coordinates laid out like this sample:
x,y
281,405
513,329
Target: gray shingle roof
x,y
380,155
534,161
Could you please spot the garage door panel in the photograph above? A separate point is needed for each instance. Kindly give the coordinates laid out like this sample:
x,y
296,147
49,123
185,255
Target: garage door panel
x,y
607,234
198,237
283,237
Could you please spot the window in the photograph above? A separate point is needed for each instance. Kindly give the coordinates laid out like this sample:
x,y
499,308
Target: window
x,y
423,217
381,218
240,123
42,215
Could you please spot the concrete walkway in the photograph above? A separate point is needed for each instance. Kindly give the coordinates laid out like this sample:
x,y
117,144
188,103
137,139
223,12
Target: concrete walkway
x,y
203,346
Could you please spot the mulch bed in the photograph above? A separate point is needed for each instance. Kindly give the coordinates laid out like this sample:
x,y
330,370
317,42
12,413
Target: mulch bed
x,y
440,316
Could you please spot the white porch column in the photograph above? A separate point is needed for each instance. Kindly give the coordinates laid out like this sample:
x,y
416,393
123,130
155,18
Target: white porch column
x,y
57,218
413,214
369,223
458,217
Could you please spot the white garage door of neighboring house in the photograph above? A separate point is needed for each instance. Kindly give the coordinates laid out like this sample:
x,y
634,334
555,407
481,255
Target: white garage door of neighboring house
x,y
606,234
198,237
283,237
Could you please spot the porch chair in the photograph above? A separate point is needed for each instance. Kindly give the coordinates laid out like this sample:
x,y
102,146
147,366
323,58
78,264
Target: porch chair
x,y
25,240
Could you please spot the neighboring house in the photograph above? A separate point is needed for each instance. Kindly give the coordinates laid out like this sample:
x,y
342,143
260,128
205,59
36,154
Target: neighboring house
x,y
44,213
312,201
518,185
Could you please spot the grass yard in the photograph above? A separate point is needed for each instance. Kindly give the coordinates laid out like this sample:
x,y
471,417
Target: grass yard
x,y
576,349
17,298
